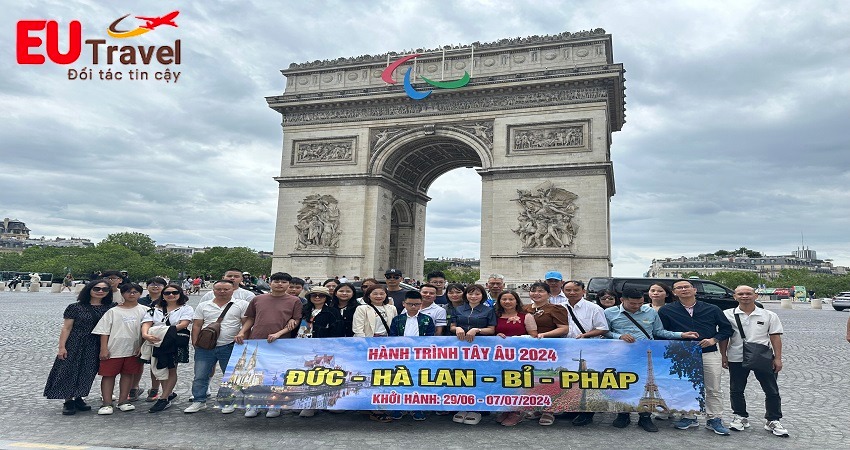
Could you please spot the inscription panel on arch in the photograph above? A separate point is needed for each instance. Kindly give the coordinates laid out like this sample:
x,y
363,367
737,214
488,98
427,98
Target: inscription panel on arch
x,y
315,152
554,137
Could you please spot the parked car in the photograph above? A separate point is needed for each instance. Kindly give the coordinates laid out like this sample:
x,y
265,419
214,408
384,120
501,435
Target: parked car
x,y
707,291
841,301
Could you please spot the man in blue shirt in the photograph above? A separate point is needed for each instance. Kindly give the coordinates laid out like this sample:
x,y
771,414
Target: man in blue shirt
x,y
633,321
707,320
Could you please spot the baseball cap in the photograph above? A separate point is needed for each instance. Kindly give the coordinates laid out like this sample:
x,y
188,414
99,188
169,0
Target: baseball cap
x,y
554,275
392,272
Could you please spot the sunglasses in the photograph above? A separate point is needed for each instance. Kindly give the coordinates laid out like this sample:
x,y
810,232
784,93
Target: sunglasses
x,y
171,293
393,277
100,289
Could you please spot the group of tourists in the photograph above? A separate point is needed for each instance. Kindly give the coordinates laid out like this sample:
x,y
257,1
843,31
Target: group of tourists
x,y
111,330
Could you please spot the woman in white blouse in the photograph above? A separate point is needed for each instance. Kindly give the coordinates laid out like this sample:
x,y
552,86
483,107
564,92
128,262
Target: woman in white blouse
x,y
372,318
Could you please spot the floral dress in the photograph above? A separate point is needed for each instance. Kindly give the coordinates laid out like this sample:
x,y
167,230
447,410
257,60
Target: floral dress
x,y
73,376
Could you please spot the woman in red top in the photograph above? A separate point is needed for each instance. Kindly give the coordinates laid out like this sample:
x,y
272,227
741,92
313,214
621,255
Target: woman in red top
x,y
512,321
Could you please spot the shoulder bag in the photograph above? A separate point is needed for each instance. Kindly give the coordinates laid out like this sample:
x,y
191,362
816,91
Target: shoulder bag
x,y
757,357
381,316
575,319
208,336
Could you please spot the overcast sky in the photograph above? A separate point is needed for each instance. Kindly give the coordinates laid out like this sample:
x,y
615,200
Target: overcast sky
x,y
737,120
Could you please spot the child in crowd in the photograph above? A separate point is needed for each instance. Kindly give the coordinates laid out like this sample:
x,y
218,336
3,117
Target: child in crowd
x,y
120,342
412,323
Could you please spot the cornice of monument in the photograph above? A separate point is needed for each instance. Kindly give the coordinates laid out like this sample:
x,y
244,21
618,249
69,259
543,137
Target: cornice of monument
x,y
500,45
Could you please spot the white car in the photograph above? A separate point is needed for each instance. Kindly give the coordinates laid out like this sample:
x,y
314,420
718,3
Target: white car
x,y
841,301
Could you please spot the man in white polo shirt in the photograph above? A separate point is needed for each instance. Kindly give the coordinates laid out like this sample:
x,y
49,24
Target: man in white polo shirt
x,y
760,326
205,360
429,294
587,320
235,276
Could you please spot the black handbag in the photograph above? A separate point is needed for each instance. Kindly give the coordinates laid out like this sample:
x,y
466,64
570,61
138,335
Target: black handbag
x,y
757,357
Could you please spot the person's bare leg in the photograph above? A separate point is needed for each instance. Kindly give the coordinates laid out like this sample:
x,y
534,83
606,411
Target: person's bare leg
x,y
125,383
107,385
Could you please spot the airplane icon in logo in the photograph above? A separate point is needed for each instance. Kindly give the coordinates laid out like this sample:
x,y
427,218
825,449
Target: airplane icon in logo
x,y
153,22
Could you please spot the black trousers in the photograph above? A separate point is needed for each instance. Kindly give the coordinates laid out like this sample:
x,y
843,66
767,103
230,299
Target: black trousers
x,y
738,383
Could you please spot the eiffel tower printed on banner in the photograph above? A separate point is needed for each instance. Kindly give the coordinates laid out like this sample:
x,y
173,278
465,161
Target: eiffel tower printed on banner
x,y
651,400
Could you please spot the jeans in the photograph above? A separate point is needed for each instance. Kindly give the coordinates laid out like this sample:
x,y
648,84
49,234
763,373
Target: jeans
x,y
204,362
738,383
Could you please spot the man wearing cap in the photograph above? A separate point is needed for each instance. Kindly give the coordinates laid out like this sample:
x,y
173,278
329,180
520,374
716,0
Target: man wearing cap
x,y
394,289
555,281
646,325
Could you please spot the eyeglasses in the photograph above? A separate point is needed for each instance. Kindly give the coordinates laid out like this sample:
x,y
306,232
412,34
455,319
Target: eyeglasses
x,y
416,305
682,288
155,285
171,293
393,277
100,289
607,297
114,278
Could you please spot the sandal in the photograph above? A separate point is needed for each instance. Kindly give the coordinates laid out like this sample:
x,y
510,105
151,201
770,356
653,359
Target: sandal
x,y
380,417
459,417
472,418
546,419
512,419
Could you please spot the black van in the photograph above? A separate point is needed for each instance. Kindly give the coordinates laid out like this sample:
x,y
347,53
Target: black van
x,y
707,291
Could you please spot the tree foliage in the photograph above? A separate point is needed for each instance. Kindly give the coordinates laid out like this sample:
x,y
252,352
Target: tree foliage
x,y
137,242
434,266
686,362
133,252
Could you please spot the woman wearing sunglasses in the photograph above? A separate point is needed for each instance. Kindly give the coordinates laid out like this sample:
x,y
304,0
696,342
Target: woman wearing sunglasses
x,y
78,358
172,312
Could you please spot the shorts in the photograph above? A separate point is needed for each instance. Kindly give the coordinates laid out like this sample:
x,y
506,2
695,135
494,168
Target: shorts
x,y
111,367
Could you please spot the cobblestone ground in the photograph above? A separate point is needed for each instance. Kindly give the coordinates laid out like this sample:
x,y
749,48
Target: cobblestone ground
x,y
813,384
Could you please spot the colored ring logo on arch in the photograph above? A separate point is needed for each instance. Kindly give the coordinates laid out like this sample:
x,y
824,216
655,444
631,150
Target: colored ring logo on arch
x,y
150,24
387,76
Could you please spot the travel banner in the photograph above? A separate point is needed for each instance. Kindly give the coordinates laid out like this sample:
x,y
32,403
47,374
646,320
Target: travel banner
x,y
445,374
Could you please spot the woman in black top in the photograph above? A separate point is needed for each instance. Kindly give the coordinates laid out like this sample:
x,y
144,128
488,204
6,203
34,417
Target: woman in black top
x,y
345,300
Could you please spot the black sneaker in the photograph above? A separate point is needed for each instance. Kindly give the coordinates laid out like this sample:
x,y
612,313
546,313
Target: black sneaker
x,y
172,397
622,421
646,423
69,408
81,405
159,406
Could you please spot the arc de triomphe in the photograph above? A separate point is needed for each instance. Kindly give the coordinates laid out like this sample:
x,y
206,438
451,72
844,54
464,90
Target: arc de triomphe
x,y
535,119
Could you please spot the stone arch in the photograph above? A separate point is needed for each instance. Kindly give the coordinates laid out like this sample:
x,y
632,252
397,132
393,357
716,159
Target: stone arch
x,y
419,157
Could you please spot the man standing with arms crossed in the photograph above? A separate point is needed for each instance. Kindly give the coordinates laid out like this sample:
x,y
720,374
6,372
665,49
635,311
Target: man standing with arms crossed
x,y
688,314
761,327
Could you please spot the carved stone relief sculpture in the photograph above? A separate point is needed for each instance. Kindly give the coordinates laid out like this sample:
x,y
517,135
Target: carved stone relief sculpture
x,y
323,151
546,217
318,223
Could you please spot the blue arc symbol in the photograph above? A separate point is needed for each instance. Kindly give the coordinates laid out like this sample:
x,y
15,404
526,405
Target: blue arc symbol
x,y
408,88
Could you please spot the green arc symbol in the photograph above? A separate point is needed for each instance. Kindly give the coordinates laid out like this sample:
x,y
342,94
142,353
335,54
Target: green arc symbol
x,y
454,84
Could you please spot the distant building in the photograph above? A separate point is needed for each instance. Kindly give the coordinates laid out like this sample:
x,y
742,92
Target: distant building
x,y
767,267
14,229
60,242
183,250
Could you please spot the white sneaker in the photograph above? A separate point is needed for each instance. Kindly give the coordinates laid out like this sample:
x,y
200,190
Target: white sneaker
x,y
307,413
739,423
126,407
228,409
776,428
249,413
195,407
272,413
105,410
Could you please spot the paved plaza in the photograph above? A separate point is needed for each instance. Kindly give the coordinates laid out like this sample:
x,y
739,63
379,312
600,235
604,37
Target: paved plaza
x,y
814,387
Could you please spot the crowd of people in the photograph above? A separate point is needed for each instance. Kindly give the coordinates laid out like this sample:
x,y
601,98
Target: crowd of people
x,y
113,331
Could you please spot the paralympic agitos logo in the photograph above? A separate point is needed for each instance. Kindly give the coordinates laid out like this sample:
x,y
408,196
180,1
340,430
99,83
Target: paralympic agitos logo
x,y
387,76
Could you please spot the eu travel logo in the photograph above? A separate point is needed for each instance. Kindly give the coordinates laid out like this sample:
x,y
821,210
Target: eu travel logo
x,y
31,35
387,76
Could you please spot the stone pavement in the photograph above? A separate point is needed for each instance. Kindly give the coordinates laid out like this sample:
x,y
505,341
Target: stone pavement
x,y
813,384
